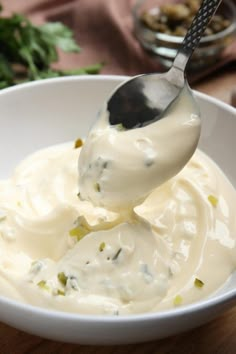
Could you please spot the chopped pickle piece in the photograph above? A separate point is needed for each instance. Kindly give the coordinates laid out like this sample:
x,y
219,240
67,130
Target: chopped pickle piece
x,y
198,283
61,292
81,228
213,200
78,143
178,300
43,285
102,247
79,232
62,278
120,127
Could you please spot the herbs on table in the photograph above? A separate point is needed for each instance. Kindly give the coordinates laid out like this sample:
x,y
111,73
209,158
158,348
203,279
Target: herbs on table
x,y
28,51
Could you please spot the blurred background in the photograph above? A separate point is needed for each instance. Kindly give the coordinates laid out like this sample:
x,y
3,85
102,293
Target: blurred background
x,y
127,39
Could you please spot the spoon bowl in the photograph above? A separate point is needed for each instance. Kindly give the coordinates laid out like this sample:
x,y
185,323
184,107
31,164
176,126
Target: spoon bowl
x,y
144,99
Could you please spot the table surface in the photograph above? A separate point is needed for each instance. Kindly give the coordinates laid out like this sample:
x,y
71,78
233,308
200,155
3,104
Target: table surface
x,y
218,336
220,84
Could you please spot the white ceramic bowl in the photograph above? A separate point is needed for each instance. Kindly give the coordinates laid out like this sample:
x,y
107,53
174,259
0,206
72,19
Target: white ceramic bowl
x,y
40,114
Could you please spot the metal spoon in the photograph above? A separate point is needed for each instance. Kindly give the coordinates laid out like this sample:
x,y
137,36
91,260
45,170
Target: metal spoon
x,y
145,98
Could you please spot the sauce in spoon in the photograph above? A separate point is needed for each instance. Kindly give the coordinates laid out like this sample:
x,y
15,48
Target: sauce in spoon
x,y
119,168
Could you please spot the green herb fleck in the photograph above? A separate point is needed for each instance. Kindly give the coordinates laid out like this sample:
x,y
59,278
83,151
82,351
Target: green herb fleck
x,y
178,300
105,164
62,278
102,247
213,200
43,285
73,282
198,283
97,187
148,162
78,143
114,258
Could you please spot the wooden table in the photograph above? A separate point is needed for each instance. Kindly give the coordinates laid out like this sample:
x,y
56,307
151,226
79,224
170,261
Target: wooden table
x,y
217,337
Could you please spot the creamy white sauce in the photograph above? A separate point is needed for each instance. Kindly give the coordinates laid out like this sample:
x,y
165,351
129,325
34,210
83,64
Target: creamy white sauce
x,y
118,267
137,234
118,168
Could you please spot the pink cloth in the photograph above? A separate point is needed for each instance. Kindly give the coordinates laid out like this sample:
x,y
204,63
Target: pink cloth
x,y
104,30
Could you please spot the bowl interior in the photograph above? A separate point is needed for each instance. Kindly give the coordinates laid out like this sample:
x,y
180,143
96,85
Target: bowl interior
x,y
40,114
46,113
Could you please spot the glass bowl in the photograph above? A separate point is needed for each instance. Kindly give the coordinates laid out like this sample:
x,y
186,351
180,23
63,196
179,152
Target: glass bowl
x,y
165,46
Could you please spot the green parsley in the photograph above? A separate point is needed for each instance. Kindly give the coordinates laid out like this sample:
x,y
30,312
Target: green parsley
x,y
28,51
2,216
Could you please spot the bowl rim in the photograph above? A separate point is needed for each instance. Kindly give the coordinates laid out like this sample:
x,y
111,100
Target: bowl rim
x,y
184,310
107,77
179,39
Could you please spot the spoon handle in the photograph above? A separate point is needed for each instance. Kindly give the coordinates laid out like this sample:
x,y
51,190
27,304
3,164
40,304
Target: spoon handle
x,y
195,32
